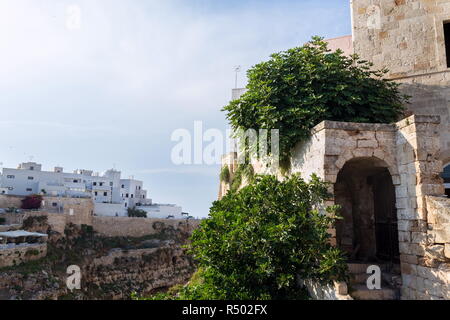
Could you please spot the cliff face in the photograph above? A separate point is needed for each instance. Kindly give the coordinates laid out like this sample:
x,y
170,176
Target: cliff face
x,y
111,267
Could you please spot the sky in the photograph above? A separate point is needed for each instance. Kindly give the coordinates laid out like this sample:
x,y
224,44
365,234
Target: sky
x,y
100,84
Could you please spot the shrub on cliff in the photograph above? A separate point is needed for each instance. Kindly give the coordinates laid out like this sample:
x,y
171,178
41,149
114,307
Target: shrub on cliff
x,y
136,213
297,89
259,239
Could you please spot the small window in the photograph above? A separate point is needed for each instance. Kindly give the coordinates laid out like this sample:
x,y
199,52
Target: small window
x,y
132,196
126,204
95,183
10,176
32,168
75,181
447,41
127,195
446,177
111,184
105,194
29,189
54,204
30,178
101,184
96,193
123,186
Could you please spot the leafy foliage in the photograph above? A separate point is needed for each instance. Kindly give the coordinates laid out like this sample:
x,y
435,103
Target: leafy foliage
x,y
225,174
136,213
32,202
298,88
259,239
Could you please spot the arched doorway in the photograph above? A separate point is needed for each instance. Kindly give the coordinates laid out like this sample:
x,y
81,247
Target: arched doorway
x,y
368,231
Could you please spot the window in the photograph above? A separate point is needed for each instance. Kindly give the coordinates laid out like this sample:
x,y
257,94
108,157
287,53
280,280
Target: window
x,y
127,195
75,181
111,184
10,176
10,188
123,186
96,193
446,177
95,183
29,189
126,204
101,184
132,195
31,168
54,204
30,178
447,41
105,194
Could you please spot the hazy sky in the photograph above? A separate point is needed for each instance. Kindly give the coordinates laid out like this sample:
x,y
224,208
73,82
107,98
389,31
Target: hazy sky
x,y
110,88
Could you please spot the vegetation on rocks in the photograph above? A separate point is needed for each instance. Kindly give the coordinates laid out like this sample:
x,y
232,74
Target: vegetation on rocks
x,y
136,213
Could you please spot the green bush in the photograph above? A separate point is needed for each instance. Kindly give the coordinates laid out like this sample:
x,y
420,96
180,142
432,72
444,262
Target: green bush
x,y
259,239
299,88
136,213
2,221
225,174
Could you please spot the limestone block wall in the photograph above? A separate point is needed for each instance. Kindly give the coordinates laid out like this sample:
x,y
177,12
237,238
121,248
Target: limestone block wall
x,y
21,254
60,210
407,37
138,227
56,221
9,201
423,264
387,31
77,210
309,156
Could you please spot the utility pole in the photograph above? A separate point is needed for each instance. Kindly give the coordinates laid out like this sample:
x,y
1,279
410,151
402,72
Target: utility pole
x,y
237,69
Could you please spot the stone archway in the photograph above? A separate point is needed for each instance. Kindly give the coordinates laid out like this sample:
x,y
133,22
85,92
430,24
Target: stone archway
x,y
368,230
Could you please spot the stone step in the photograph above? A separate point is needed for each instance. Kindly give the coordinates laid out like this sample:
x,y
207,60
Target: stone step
x,y
358,278
361,292
394,280
356,267
391,279
362,267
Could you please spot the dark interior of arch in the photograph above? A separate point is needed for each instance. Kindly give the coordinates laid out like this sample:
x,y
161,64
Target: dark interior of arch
x,y
368,230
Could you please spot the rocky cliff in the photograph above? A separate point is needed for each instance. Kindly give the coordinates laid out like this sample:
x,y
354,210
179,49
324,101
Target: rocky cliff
x,y
111,267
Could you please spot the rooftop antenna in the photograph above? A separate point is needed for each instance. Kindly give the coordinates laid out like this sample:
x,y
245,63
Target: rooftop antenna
x,y
237,69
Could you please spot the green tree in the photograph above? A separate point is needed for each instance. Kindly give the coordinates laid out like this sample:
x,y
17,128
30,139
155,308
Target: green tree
x,y
259,239
136,213
298,88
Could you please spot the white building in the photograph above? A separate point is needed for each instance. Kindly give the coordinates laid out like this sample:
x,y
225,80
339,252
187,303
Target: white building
x,y
112,195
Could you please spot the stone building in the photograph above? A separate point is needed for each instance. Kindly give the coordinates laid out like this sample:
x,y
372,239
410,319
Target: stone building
x,y
390,179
